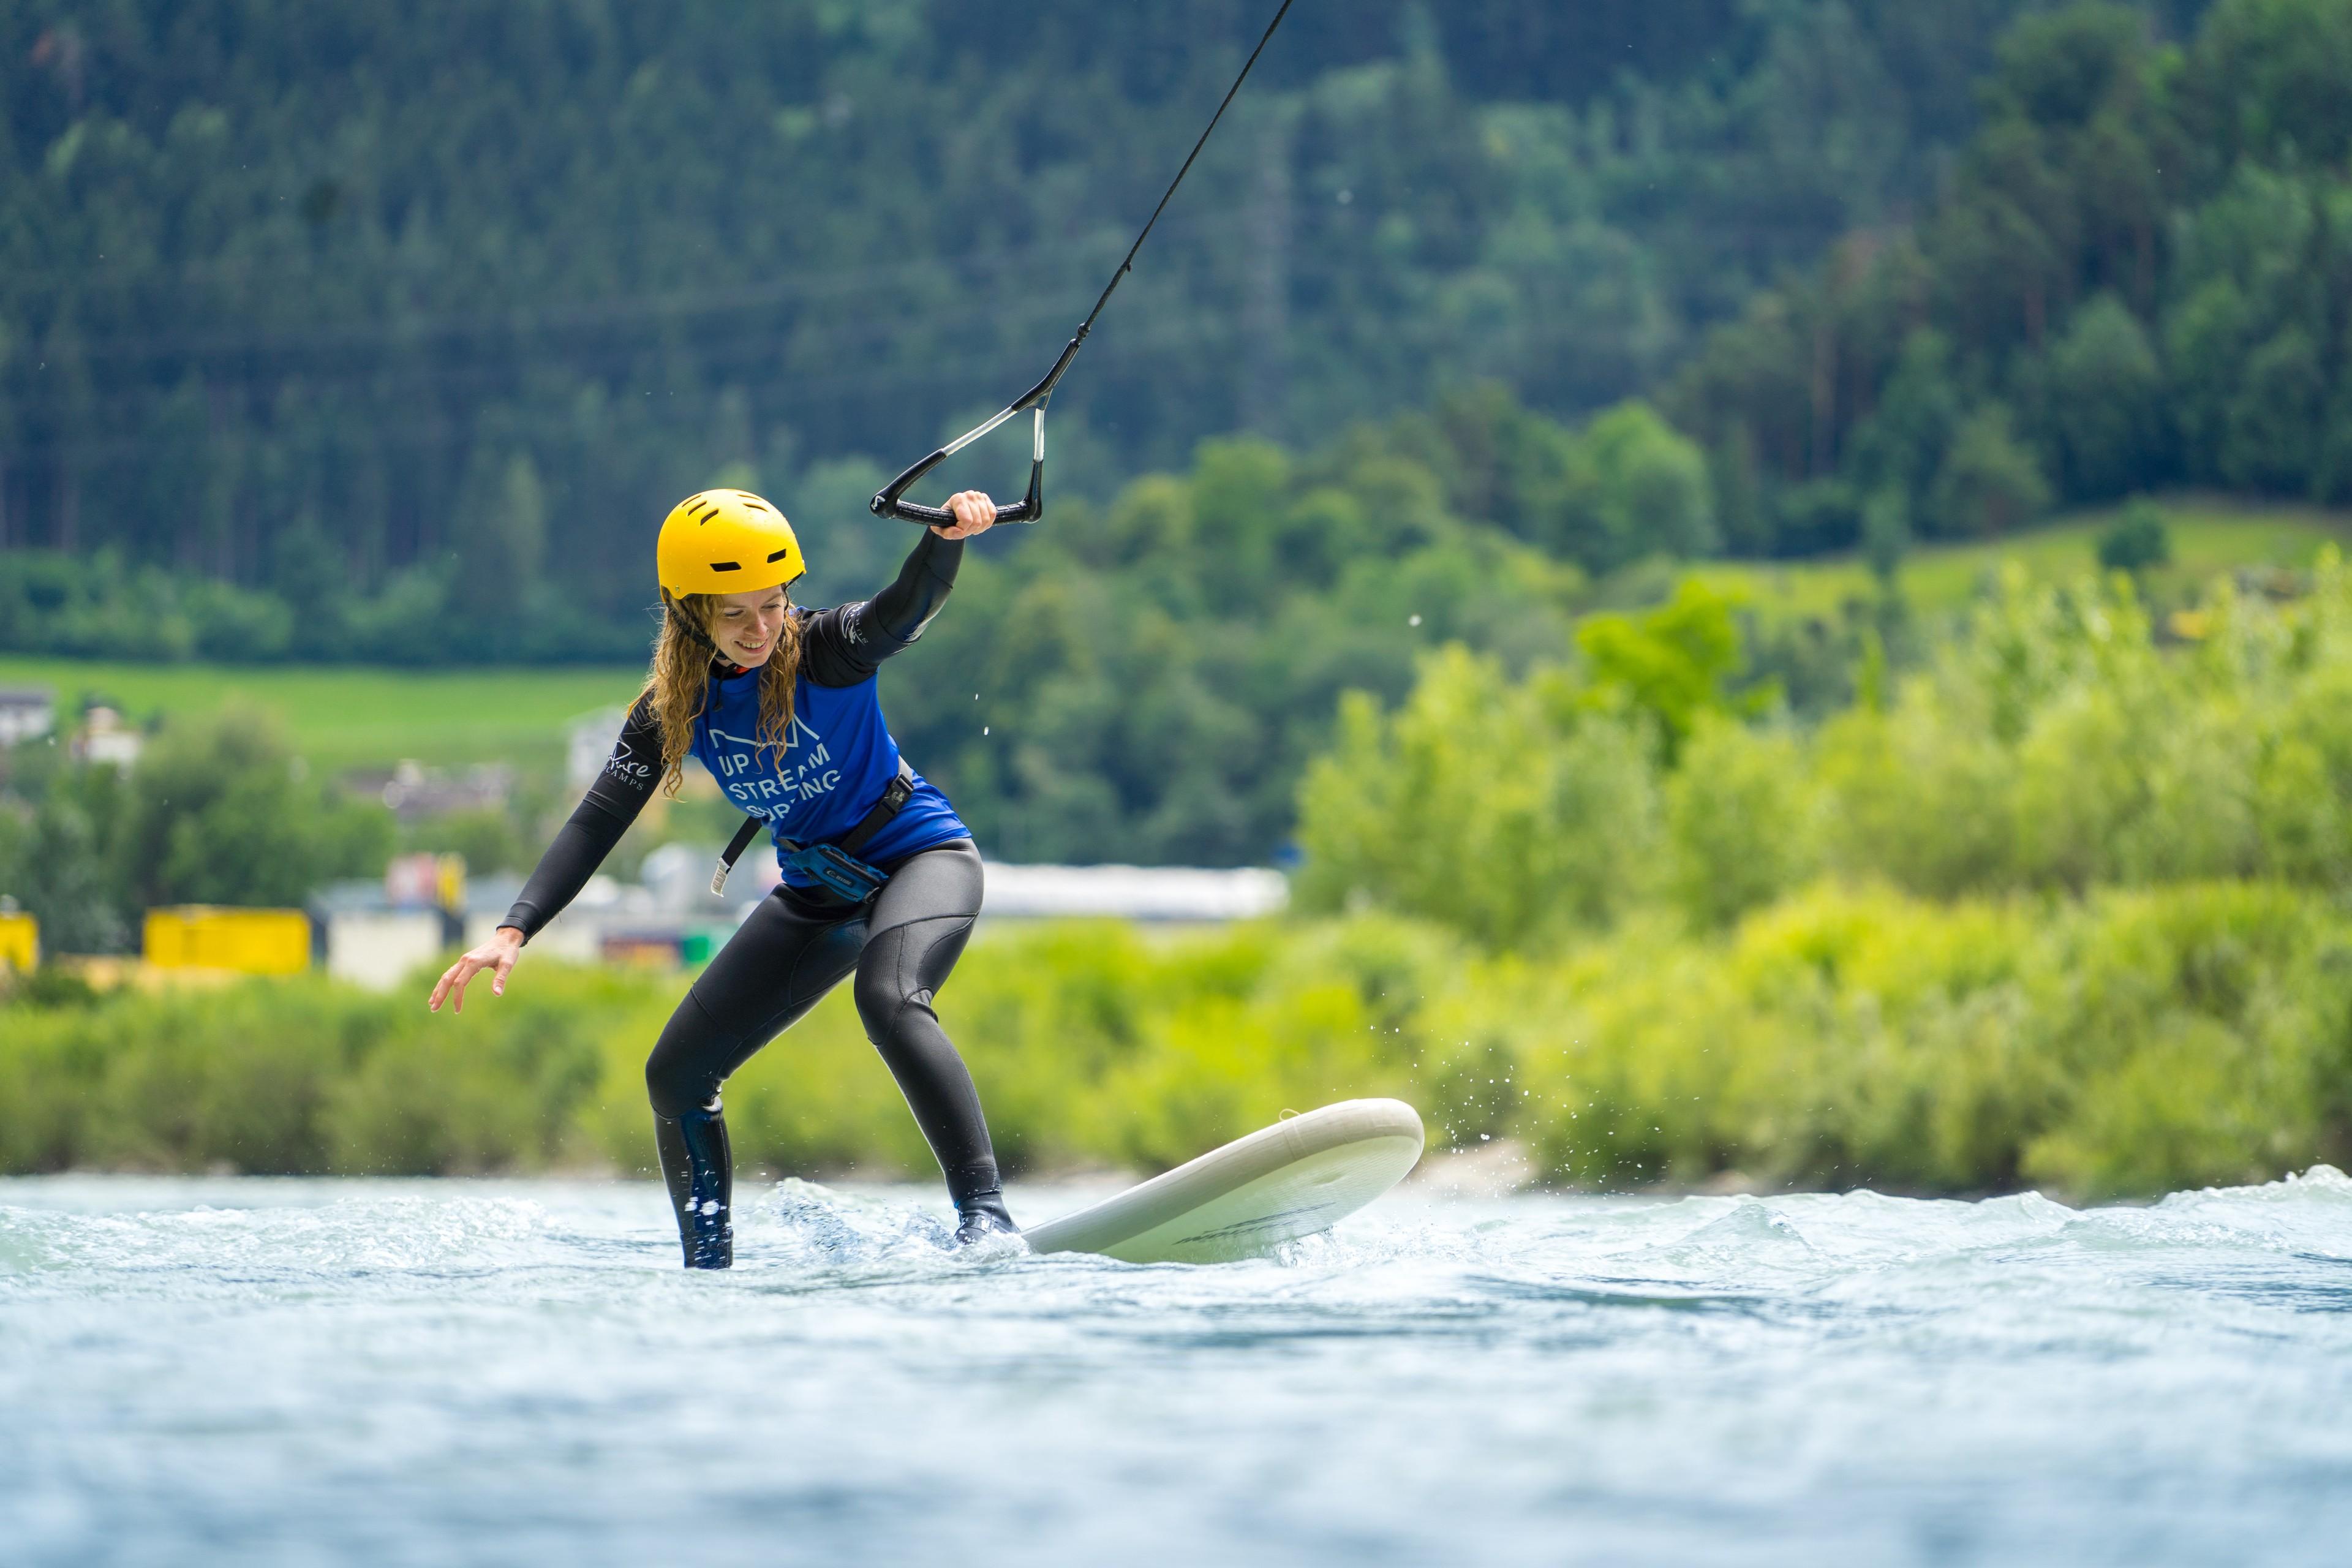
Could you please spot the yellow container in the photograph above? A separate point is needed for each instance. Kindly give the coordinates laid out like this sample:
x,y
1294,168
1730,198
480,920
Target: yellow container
x,y
245,941
20,941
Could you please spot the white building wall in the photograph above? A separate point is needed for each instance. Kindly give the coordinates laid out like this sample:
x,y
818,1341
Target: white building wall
x,y
572,936
1182,893
379,949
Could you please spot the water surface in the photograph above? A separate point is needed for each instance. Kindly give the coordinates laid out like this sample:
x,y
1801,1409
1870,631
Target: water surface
x,y
258,1371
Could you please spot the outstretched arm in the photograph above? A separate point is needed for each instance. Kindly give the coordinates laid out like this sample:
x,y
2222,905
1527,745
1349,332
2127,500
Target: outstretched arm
x,y
613,803
845,644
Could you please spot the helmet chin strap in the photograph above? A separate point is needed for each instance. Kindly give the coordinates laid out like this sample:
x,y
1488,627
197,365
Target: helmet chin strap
x,y
674,614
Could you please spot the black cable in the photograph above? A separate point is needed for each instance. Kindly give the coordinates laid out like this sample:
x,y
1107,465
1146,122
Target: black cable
x,y
889,500
1195,152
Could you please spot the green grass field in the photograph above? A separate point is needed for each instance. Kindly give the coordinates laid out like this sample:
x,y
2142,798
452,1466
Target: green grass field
x,y
345,718
2209,535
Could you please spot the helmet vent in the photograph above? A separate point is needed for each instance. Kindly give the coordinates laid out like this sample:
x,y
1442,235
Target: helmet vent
x,y
727,566
776,555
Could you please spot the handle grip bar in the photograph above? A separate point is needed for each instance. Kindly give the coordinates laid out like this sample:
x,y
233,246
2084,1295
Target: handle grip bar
x,y
1029,508
886,501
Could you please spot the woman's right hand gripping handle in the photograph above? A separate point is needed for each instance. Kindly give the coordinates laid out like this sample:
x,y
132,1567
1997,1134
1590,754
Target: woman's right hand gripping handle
x,y
498,954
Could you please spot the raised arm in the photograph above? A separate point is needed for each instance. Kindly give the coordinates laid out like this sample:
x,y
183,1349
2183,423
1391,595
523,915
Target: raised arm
x,y
612,802
845,644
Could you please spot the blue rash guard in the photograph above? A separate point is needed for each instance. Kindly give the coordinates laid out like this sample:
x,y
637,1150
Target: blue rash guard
x,y
834,767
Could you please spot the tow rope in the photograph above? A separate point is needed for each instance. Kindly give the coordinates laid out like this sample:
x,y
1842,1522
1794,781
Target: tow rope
x,y
886,501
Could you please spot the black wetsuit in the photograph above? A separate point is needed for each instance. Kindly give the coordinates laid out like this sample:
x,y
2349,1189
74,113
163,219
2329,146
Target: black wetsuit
x,y
800,943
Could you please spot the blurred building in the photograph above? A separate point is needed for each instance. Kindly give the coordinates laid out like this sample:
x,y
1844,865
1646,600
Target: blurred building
x,y
20,938
105,738
412,792
381,933
1181,895
588,742
27,712
206,937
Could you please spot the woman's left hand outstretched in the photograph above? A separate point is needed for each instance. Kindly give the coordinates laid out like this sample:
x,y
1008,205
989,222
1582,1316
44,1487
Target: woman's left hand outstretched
x,y
498,955
975,513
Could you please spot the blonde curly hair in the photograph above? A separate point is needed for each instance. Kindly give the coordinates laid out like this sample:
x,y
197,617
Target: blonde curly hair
x,y
678,684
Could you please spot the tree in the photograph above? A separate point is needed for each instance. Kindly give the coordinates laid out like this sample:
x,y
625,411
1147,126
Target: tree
x,y
1902,442
502,538
2205,345
1669,666
1817,517
1240,491
220,812
1488,804
2059,70
1738,821
1989,484
2103,404
55,861
1640,487
1885,533
2136,540
2270,440
2269,78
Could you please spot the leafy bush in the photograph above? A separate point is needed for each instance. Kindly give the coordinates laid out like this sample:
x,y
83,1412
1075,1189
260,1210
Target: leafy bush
x,y
2137,973
2056,747
2126,1044
1091,1046
2132,1044
2136,540
2051,747
304,1076
1493,807
1741,821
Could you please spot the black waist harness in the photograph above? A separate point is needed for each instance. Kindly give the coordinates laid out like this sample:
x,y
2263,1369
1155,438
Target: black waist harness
x,y
835,865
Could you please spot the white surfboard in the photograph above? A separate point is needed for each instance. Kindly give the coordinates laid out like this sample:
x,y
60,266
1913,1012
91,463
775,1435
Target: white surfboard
x,y
1301,1175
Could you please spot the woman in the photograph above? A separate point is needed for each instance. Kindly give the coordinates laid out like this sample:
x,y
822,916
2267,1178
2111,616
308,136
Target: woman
x,y
879,876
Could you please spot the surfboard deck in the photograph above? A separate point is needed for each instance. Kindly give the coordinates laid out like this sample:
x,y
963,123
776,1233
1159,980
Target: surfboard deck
x,y
1298,1177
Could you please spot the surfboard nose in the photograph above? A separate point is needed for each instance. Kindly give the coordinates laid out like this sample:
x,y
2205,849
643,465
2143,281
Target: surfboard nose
x,y
1299,1177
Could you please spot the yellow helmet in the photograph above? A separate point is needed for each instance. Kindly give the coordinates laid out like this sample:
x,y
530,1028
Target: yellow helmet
x,y
726,542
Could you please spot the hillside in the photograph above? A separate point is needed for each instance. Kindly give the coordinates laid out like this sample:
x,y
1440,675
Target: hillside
x,y
445,307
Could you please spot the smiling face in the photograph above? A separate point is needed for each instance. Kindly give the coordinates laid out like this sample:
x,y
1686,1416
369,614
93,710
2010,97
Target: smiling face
x,y
745,627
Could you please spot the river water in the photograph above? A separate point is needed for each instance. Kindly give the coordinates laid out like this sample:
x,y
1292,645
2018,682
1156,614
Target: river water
x,y
257,1371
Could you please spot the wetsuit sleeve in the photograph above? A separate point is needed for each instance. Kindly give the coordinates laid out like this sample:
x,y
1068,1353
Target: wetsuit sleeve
x,y
846,644
613,803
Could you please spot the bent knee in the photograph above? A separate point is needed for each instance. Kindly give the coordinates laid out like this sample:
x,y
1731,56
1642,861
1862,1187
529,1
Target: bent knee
x,y
679,1073
881,1000
671,1091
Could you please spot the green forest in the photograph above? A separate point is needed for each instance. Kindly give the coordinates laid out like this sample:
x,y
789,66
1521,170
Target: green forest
x,y
346,333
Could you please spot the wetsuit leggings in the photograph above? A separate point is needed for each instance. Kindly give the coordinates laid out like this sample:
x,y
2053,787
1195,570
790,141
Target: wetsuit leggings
x,y
788,954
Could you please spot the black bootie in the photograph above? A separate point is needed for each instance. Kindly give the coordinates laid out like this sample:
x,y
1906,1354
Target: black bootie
x,y
983,1214
700,1172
